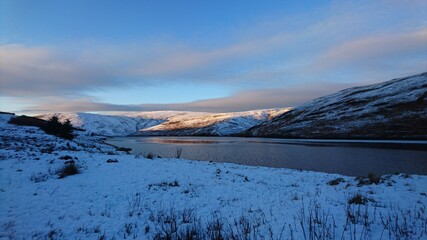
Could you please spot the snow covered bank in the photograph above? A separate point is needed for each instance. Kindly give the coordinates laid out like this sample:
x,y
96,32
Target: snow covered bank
x,y
119,196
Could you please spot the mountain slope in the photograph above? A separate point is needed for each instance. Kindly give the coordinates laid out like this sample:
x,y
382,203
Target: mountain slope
x,y
396,109
107,125
167,122
212,124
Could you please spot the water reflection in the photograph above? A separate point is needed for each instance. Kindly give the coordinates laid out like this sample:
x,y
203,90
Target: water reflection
x,y
178,141
392,144
349,158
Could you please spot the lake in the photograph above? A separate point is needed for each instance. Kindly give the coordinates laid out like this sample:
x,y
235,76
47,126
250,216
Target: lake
x,y
352,158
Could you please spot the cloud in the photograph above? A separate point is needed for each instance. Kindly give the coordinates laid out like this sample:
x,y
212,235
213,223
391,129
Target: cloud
x,y
241,101
77,105
40,71
28,71
351,42
374,48
48,71
175,62
262,99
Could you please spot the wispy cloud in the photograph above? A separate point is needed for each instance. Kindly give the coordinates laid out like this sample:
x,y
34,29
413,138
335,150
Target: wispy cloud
x,y
351,42
41,71
84,104
187,59
374,48
240,101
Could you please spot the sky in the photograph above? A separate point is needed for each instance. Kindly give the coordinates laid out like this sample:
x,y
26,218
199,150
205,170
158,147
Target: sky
x,y
210,56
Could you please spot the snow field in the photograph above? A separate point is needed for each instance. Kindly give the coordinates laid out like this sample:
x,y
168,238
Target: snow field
x,y
141,198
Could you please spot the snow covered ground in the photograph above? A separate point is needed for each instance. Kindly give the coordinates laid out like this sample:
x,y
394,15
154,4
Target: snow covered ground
x,y
122,196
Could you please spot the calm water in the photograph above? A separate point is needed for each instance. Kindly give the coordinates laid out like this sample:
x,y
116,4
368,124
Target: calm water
x,y
352,158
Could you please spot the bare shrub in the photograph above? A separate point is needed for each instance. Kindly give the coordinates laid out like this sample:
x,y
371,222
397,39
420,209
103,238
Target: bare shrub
x,y
167,224
215,230
68,170
66,157
150,155
358,222
311,222
135,205
369,180
191,232
357,199
130,230
315,222
164,185
173,224
336,181
405,224
188,216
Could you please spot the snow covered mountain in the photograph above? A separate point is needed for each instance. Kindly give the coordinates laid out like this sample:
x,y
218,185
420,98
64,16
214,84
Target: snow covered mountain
x,y
107,125
167,122
212,124
396,109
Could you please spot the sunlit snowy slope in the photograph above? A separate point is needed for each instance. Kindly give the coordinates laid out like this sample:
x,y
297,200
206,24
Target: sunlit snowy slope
x,y
214,124
167,122
396,109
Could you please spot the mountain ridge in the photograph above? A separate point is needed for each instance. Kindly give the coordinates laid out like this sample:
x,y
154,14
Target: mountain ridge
x,y
395,109
160,123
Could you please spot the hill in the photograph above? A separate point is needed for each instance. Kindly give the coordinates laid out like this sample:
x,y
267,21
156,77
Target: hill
x,y
167,122
396,109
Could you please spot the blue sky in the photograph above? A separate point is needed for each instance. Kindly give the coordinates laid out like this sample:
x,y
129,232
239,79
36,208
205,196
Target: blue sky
x,y
213,56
